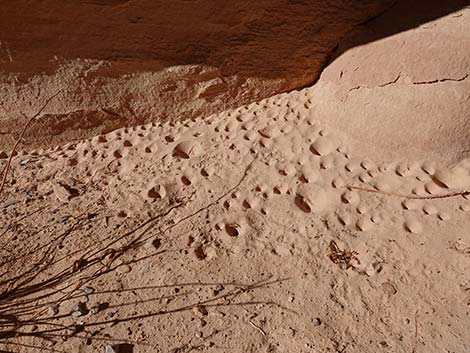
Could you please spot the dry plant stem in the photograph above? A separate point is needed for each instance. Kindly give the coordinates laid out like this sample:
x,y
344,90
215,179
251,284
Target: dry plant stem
x,y
257,328
416,333
18,141
431,197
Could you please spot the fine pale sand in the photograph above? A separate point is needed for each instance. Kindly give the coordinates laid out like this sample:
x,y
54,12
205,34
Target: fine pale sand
x,y
266,228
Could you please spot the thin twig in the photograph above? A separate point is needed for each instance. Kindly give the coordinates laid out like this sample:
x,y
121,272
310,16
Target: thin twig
x,y
18,141
416,332
431,197
257,327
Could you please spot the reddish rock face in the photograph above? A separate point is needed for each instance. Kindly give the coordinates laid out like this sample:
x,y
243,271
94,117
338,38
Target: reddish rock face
x,y
128,62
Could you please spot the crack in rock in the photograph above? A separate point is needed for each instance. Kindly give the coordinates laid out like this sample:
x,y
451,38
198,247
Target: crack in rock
x,y
414,82
399,76
378,86
442,80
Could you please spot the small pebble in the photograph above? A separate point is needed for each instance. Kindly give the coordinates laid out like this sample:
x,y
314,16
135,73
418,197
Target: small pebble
x,y
373,173
429,167
125,269
384,168
430,209
281,189
382,185
63,193
423,177
352,166
376,217
122,214
365,177
362,209
345,219
367,165
96,308
88,290
402,170
288,170
364,223
218,288
411,204
79,309
350,197
74,329
419,190
432,188
327,162
53,310
200,311
338,182
465,207
153,244
443,216
202,323
324,145
316,321
310,175
413,226
8,203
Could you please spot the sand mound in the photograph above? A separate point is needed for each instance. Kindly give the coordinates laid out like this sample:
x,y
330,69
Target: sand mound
x,y
277,235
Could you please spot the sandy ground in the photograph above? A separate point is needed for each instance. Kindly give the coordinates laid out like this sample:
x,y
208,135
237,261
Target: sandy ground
x,y
264,228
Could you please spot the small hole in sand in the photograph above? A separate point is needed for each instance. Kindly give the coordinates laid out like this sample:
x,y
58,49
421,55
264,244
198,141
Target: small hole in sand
x,y
180,154
232,230
300,202
153,194
199,252
185,180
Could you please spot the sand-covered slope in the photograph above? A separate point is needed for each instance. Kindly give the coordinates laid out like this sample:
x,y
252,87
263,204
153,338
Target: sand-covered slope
x,y
329,219
256,230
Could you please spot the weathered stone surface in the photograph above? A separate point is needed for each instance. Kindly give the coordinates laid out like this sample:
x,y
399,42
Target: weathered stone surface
x,y
124,63
418,78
